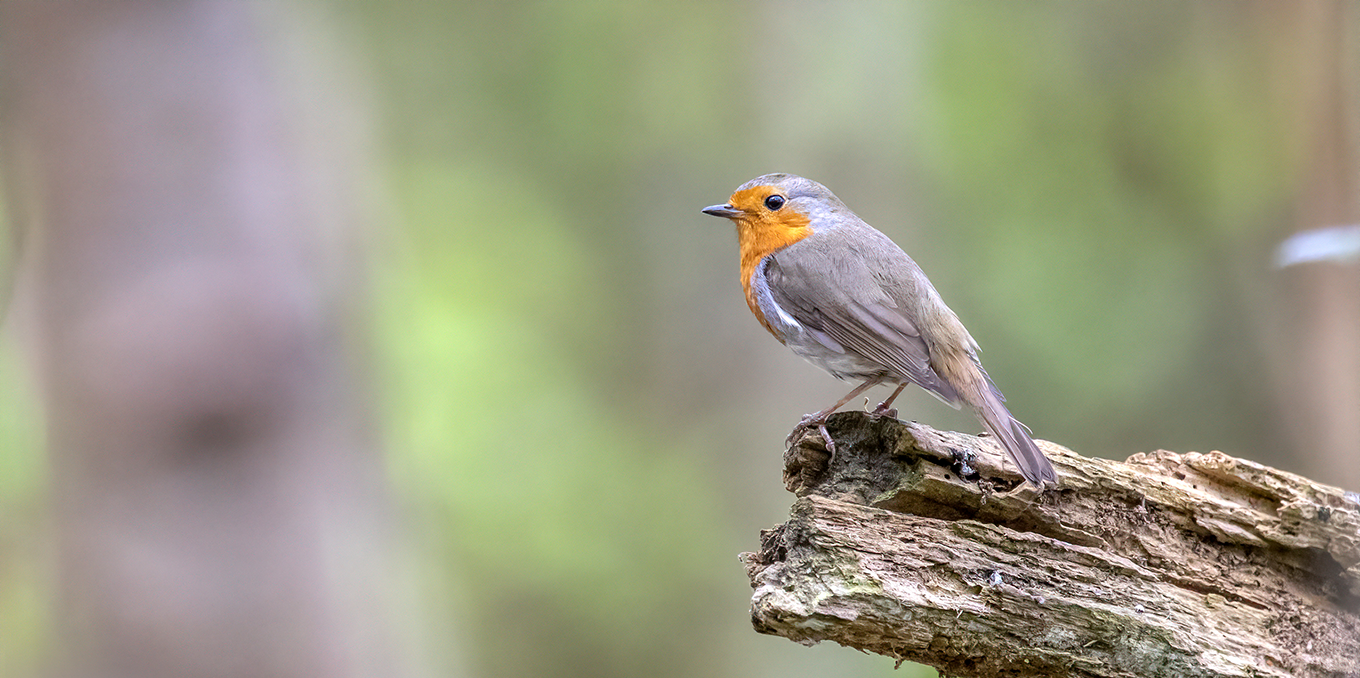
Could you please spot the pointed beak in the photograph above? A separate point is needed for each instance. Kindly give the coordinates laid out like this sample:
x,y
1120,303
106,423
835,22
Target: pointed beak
x,y
724,211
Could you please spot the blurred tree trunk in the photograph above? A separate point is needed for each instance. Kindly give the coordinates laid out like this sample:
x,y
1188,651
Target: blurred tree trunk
x,y
217,495
1319,365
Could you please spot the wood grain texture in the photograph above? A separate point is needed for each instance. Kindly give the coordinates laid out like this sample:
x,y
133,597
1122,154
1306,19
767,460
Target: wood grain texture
x,y
918,544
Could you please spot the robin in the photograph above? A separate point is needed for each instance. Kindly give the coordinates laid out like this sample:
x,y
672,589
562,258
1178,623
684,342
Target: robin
x,y
847,299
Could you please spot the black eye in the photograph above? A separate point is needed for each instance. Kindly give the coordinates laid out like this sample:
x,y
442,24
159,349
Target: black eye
x,y
774,202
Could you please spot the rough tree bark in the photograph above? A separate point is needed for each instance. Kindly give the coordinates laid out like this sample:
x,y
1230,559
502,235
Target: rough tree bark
x,y
920,544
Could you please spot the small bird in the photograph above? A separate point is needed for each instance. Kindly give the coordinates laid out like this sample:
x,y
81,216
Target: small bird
x,y
847,299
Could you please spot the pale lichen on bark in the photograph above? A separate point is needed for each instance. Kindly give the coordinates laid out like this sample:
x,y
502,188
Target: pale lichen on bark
x,y
921,544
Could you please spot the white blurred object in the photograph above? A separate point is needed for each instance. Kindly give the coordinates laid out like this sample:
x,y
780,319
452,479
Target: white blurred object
x,y
1334,243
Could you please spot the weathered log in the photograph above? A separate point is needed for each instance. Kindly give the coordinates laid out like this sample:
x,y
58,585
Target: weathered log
x,y
922,545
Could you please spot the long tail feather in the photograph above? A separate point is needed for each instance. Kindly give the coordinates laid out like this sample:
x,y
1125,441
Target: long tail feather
x,y
1034,466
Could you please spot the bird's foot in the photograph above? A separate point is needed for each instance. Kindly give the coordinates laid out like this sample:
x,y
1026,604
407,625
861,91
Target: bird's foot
x,y
884,410
808,422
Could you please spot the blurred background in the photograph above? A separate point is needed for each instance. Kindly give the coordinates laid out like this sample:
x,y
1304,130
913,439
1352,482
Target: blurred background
x,y
579,424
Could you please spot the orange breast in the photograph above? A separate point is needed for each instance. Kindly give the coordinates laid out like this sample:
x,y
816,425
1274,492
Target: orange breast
x,y
759,235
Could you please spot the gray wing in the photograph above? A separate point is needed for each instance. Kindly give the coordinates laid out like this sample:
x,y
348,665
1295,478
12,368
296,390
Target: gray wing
x,y
855,313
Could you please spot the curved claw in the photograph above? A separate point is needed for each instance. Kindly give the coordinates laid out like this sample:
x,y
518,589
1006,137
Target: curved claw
x,y
810,421
803,425
830,444
818,419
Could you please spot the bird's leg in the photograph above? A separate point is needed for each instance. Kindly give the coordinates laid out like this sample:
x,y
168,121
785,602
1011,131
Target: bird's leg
x,y
818,419
885,408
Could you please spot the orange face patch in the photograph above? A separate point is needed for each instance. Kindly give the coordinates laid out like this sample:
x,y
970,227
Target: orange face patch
x,y
761,232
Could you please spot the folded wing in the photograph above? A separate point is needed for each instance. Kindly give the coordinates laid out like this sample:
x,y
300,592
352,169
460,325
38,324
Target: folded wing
x,y
839,299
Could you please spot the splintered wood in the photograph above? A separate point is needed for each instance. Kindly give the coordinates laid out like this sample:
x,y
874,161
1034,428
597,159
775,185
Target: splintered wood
x,y
922,545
